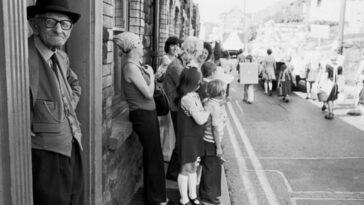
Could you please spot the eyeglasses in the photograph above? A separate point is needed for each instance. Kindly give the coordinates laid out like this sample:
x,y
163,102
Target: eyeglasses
x,y
51,23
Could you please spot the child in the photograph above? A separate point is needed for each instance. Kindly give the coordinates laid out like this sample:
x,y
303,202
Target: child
x,y
210,186
208,70
285,81
190,119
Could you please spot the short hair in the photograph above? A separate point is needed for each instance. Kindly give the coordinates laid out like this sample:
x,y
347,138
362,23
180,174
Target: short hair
x,y
208,47
225,54
207,69
269,51
172,40
339,70
330,71
215,88
193,44
249,58
188,81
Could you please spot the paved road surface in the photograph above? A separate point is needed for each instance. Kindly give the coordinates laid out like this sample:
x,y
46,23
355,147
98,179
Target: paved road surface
x,y
287,153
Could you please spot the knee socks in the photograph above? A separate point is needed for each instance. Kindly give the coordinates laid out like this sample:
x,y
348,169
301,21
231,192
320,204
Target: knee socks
x,y
192,183
182,181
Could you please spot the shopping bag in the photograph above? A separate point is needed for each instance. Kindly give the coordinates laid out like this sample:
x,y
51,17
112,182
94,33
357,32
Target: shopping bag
x,y
168,139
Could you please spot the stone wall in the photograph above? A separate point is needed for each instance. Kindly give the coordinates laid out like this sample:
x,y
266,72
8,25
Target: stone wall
x,y
121,150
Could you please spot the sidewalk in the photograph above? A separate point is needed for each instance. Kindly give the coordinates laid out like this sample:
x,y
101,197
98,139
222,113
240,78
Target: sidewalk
x,y
342,107
173,193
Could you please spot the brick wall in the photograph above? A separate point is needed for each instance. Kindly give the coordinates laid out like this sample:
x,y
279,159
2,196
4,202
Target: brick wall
x,y
121,150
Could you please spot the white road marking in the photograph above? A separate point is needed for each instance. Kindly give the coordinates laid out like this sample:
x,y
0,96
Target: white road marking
x,y
244,174
271,197
308,158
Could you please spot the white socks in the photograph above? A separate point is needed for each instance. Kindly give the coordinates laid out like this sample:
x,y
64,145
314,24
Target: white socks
x,y
270,85
192,183
182,181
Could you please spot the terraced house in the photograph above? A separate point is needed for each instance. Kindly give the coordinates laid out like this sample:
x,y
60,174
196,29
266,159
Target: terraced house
x,y
112,153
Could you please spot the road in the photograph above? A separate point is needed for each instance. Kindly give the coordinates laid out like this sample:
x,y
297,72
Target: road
x,y
287,153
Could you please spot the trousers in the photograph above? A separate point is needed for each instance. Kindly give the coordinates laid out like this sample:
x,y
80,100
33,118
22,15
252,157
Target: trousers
x,y
58,179
145,124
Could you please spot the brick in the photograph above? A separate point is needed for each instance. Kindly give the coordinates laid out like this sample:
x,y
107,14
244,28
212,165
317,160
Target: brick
x,y
108,102
134,29
110,46
108,2
107,81
108,10
107,91
108,22
109,57
106,69
135,21
135,5
135,14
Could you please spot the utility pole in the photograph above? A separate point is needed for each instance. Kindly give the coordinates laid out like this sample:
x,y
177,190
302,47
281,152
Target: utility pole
x,y
245,28
341,26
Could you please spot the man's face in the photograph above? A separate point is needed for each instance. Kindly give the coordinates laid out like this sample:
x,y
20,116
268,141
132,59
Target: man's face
x,y
53,29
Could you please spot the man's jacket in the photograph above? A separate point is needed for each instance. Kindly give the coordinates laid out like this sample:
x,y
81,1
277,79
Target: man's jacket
x,y
51,127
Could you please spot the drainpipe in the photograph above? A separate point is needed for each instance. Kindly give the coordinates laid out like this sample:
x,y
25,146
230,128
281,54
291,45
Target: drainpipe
x,y
156,35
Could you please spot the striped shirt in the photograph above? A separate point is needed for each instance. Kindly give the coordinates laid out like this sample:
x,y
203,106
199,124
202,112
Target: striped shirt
x,y
217,119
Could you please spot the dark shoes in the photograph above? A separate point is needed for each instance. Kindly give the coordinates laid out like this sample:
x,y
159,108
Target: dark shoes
x,y
323,108
196,201
216,201
329,116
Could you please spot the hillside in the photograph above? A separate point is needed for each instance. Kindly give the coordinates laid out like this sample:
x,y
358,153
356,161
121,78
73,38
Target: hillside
x,y
285,11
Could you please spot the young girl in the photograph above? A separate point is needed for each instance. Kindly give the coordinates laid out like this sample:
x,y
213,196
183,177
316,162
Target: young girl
x,y
285,80
210,186
190,119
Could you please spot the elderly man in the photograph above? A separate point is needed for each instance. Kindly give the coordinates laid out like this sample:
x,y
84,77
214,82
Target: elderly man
x,y
54,91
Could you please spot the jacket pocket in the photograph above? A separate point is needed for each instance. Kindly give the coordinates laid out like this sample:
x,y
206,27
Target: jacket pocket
x,y
47,111
46,127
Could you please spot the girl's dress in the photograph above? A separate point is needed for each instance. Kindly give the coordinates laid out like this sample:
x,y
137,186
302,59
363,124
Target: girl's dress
x,y
269,73
190,133
286,82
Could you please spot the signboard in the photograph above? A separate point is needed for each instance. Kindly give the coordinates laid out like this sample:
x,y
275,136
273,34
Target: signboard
x,y
249,73
320,31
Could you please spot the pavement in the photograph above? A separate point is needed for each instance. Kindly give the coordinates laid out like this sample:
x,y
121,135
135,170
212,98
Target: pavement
x,y
173,193
287,153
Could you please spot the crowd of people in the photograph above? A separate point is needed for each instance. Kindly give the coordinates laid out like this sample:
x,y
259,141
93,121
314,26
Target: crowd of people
x,y
194,77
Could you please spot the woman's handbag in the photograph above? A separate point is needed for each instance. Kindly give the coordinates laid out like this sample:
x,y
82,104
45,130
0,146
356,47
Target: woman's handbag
x,y
161,100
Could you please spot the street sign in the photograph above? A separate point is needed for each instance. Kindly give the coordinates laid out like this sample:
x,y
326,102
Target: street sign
x,y
320,31
248,73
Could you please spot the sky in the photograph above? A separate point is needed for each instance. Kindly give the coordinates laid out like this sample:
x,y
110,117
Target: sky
x,y
211,9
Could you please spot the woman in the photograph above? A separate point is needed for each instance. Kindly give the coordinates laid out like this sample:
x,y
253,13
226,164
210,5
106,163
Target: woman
x,y
269,72
206,53
168,139
171,47
138,85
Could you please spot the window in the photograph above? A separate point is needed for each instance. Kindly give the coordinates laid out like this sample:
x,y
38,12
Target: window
x,y
121,19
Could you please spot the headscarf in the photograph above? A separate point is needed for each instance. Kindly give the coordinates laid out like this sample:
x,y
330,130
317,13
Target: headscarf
x,y
126,41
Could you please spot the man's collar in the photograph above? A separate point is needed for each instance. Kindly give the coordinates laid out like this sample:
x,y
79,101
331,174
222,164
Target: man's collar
x,y
45,52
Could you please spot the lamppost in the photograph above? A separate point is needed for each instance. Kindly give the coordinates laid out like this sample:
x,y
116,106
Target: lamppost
x,y
341,27
245,27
